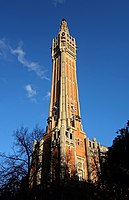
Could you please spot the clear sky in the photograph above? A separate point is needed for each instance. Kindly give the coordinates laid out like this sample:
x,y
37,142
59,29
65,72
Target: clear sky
x,y
101,29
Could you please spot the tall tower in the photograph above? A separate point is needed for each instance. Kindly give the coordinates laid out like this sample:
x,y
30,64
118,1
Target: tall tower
x,y
65,152
64,133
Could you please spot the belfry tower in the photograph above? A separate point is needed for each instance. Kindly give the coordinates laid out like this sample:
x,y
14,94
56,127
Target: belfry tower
x,y
64,121
65,152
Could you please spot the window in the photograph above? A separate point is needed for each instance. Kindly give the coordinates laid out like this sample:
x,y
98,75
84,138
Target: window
x,y
63,43
89,144
63,34
72,123
71,136
58,134
66,133
79,142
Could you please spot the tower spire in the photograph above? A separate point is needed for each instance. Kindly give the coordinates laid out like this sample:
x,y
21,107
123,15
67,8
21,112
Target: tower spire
x,y
63,26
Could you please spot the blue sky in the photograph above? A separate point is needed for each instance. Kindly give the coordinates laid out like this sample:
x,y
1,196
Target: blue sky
x,y
101,29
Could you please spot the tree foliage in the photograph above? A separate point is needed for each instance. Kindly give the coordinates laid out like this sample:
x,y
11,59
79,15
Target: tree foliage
x,y
118,159
15,167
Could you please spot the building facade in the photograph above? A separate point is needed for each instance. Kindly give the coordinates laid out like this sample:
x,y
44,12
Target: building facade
x,y
65,151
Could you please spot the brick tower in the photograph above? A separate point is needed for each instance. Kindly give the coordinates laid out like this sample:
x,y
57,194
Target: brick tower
x,y
64,132
65,151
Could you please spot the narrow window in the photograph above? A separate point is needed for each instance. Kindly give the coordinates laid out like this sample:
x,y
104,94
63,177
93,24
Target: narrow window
x,y
72,123
89,144
71,136
66,133
58,134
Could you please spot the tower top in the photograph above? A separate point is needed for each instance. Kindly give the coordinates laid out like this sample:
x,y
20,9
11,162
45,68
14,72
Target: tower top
x,y
64,19
63,26
64,42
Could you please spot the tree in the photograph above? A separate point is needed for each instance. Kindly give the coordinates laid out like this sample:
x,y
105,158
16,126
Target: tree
x,y
15,167
115,173
118,158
